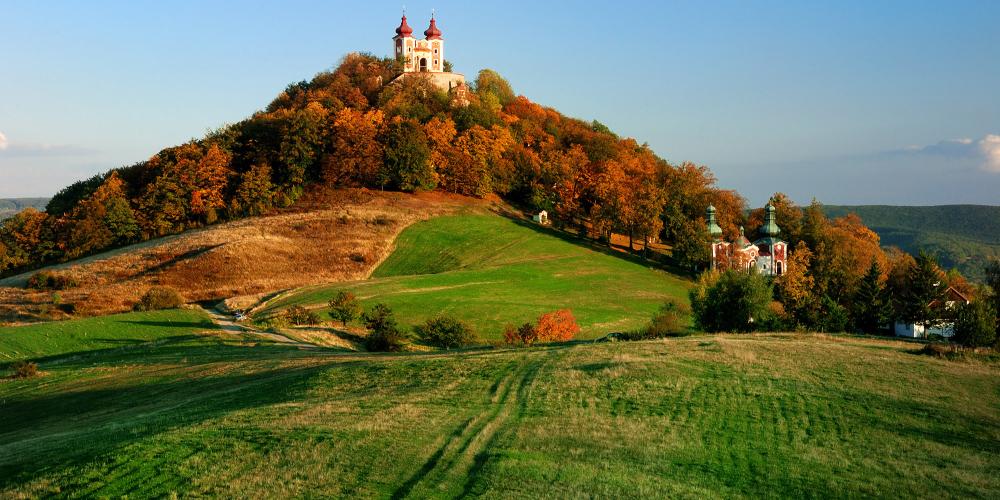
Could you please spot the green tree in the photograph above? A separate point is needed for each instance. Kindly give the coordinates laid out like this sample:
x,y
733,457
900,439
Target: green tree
x,y
732,301
384,334
445,332
344,307
871,309
975,324
407,157
924,292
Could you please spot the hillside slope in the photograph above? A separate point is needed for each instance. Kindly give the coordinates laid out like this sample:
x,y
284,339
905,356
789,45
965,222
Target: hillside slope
x,y
729,416
327,236
962,236
492,271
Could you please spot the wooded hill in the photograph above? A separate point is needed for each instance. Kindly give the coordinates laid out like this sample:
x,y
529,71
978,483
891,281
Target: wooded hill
x,y
962,236
11,206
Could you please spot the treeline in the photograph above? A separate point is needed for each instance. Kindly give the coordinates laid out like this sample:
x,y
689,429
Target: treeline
x,y
350,127
840,279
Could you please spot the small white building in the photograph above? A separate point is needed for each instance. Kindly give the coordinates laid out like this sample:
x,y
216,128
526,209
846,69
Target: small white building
x,y
942,328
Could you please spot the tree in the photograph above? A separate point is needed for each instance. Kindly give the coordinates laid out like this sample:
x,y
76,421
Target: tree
x,y
796,287
976,324
344,307
490,83
871,310
255,193
103,219
384,334
558,326
445,332
731,301
524,335
993,283
355,154
407,157
924,293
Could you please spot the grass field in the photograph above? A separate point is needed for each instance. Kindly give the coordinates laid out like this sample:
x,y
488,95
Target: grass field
x,y
90,334
492,271
701,416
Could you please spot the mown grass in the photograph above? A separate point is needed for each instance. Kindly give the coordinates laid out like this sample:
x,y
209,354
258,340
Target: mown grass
x,y
491,271
108,332
719,416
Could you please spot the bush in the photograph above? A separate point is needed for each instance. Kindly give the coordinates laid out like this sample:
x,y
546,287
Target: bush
x,y
298,315
384,334
524,335
445,332
558,326
975,324
732,301
45,280
160,297
344,307
25,369
668,321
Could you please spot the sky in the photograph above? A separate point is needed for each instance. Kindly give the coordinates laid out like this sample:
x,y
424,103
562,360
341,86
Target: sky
x,y
848,102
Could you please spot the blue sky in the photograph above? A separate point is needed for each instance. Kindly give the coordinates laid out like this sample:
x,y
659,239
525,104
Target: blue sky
x,y
849,102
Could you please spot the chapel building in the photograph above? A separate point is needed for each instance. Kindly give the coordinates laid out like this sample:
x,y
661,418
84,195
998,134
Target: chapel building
x,y
426,57
767,255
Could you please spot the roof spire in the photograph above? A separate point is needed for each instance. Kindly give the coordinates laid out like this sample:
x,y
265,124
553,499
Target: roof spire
x,y
433,33
713,226
404,30
770,227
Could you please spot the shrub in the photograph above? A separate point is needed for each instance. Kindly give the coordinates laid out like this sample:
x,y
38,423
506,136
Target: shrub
x,y
25,369
344,307
524,335
975,324
159,297
298,315
445,332
731,301
668,321
45,280
558,326
358,257
384,334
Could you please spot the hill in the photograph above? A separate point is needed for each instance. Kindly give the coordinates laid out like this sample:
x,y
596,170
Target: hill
x,y
327,236
11,206
492,271
962,236
726,415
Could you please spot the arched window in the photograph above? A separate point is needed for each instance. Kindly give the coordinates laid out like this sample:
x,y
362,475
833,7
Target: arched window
x,y
423,64
778,268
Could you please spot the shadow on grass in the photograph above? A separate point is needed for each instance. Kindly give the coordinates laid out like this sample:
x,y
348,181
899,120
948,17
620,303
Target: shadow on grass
x,y
71,429
175,324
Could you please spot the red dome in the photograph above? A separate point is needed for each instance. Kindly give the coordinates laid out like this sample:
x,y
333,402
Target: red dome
x,y
433,33
404,29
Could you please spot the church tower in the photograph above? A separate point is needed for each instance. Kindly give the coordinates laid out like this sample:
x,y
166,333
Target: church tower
x,y
419,56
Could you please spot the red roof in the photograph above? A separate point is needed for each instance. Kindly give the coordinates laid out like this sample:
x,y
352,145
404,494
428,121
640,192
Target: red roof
x,y
433,33
404,29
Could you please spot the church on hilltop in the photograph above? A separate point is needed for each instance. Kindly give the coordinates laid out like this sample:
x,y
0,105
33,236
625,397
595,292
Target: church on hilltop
x,y
426,58
768,255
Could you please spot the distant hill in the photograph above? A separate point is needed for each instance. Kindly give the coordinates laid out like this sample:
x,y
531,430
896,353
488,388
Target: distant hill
x,y
962,236
11,206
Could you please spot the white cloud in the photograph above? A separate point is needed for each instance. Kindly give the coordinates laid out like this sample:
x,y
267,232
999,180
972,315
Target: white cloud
x,y
3,141
984,152
990,148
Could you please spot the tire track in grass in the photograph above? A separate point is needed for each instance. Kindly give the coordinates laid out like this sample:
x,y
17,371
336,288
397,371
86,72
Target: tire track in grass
x,y
464,454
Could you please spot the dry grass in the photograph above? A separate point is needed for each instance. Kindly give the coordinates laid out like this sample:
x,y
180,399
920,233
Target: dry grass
x,y
330,235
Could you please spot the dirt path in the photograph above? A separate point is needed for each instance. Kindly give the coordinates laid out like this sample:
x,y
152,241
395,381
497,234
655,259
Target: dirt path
x,y
226,324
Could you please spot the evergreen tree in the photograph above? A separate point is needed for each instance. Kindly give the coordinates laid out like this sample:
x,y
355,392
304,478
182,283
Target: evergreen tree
x,y
870,302
924,287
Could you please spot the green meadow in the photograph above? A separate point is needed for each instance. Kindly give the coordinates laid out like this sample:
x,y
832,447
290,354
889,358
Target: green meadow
x,y
699,416
90,334
491,271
